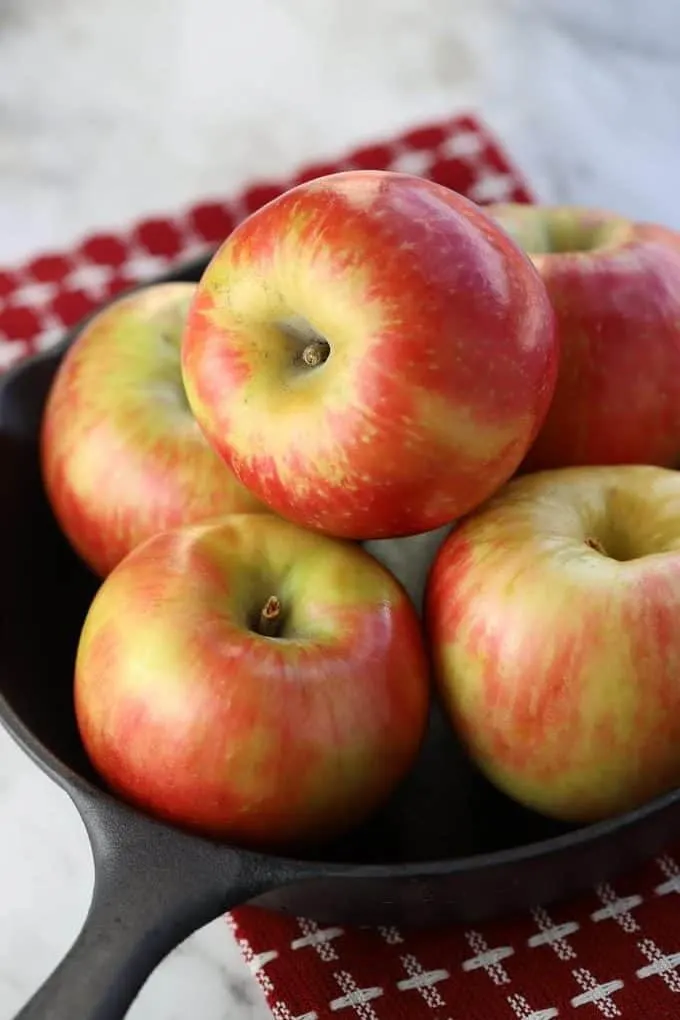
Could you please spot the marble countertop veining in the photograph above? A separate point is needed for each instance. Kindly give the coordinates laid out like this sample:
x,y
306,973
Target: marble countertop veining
x,y
113,110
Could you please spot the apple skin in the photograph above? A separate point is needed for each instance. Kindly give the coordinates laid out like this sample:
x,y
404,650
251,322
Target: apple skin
x,y
558,662
264,741
442,360
617,303
122,455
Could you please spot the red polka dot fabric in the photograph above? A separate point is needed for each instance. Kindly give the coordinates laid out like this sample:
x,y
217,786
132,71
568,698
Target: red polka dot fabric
x,y
49,293
614,952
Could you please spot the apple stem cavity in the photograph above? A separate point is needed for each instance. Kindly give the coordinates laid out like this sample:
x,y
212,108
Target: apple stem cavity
x,y
269,623
316,352
308,348
594,543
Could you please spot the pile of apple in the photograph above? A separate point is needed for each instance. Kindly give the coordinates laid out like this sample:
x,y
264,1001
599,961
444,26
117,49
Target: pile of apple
x,y
372,356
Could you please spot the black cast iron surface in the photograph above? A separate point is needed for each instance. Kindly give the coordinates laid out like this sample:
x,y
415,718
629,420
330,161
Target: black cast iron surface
x,y
448,847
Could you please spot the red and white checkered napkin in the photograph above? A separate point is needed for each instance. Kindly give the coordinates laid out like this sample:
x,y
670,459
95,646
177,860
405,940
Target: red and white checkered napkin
x,y
54,290
613,953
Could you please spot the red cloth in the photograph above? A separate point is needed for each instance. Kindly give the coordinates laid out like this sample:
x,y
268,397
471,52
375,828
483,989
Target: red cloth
x,y
612,953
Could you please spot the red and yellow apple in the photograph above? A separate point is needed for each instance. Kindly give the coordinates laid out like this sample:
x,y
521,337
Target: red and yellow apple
x,y
615,288
252,681
370,354
122,454
553,614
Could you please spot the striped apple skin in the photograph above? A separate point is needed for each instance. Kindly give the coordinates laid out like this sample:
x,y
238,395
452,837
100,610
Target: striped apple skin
x,y
191,714
122,454
553,619
615,287
442,354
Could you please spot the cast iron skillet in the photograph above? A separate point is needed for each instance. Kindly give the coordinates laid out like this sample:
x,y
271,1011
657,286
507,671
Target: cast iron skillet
x,y
448,847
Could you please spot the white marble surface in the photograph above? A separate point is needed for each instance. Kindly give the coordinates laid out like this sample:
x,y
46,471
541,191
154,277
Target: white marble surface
x,y
122,107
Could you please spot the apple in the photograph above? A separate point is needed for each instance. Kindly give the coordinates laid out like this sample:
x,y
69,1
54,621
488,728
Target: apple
x,y
370,354
122,455
615,288
252,681
553,617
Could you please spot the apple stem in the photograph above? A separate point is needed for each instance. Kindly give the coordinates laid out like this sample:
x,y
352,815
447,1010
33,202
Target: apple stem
x,y
316,352
270,617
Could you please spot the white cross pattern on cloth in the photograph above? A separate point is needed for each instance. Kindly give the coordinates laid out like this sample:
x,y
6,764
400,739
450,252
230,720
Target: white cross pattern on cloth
x,y
392,935
257,962
672,872
357,998
281,1012
617,909
260,960
317,938
596,993
553,935
487,959
660,965
422,981
524,1011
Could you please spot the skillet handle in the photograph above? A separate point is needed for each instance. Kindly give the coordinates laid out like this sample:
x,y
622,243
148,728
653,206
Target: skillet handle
x,y
153,887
